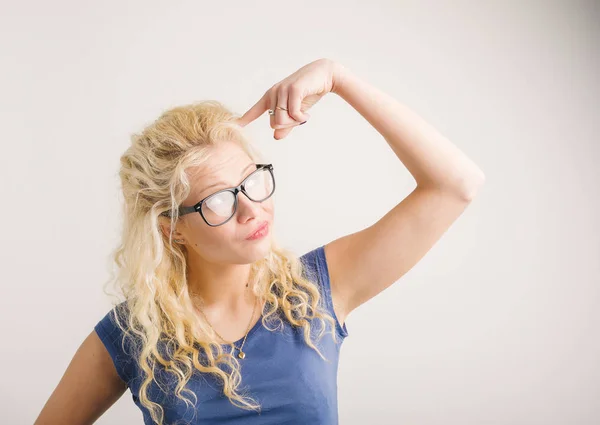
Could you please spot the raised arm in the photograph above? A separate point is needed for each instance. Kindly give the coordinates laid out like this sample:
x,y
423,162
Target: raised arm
x,y
364,263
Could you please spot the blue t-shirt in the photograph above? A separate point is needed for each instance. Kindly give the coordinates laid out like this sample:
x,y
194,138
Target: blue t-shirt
x,y
290,381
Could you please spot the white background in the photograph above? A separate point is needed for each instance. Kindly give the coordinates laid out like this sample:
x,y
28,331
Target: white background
x,y
498,324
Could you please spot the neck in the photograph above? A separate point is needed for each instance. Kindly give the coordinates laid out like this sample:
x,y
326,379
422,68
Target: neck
x,y
219,285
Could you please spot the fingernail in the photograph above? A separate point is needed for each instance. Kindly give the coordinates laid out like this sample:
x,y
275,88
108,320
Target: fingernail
x,y
303,122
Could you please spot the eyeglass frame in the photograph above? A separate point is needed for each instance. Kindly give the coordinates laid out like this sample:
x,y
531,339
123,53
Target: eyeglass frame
x,y
235,190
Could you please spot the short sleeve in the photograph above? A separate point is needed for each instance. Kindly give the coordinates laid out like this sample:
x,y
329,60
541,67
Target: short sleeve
x,y
316,266
112,337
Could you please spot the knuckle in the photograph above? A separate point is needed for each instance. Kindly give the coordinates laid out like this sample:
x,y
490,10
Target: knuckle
x,y
282,89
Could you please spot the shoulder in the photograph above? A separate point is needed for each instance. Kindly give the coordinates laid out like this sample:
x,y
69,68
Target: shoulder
x,y
317,270
109,323
314,267
310,258
110,331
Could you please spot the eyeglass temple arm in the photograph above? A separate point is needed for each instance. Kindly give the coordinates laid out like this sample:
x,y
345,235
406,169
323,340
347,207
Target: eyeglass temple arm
x,y
182,211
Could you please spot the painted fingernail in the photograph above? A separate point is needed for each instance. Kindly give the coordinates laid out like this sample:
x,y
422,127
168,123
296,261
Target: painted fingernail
x,y
303,122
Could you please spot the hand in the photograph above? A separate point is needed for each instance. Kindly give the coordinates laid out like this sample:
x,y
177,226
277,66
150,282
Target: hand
x,y
297,93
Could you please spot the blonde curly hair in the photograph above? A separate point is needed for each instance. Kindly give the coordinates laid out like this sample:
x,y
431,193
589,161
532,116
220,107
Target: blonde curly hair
x,y
158,316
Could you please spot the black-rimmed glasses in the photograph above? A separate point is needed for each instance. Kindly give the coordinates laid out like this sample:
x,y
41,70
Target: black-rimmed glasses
x,y
218,208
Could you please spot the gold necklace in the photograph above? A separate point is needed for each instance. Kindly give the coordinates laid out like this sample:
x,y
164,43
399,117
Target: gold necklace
x,y
241,354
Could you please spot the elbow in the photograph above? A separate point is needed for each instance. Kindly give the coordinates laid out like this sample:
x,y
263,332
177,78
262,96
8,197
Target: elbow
x,y
471,185
464,186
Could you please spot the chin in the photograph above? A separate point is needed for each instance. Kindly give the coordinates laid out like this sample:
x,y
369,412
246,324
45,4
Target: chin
x,y
257,250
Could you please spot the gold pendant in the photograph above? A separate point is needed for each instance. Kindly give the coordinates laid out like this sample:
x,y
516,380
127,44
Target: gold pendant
x,y
241,355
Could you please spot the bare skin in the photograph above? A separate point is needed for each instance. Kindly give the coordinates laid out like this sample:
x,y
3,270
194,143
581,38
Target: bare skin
x,y
365,263
219,258
218,269
89,386
446,179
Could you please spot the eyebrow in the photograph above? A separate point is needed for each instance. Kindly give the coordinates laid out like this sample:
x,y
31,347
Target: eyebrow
x,y
216,184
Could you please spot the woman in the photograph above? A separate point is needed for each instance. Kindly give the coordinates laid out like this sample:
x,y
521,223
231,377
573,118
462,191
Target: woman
x,y
219,324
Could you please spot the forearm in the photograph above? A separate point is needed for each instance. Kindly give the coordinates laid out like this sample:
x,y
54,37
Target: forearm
x,y
431,158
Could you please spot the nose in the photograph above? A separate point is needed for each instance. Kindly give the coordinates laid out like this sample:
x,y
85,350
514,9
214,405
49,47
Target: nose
x,y
246,208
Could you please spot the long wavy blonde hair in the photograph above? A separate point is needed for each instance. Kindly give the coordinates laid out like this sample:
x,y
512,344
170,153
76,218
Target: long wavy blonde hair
x,y
150,270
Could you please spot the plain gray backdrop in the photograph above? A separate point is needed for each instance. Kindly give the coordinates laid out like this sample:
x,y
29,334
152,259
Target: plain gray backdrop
x,y
498,324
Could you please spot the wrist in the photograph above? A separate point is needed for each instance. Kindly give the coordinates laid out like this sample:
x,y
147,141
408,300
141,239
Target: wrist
x,y
339,77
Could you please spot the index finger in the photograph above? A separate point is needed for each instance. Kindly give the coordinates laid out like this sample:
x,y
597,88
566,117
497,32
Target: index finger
x,y
254,112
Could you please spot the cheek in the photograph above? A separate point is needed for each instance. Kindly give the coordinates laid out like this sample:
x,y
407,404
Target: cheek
x,y
200,233
212,243
213,235
269,206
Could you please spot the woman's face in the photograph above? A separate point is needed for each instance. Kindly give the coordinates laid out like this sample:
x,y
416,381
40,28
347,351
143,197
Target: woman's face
x,y
226,244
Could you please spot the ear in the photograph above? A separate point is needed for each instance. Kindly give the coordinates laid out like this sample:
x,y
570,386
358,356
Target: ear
x,y
165,227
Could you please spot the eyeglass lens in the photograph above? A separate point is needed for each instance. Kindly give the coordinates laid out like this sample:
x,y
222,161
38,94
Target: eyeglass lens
x,y
219,207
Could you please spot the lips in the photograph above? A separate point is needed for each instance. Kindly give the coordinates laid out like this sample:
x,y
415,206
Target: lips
x,y
258,229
